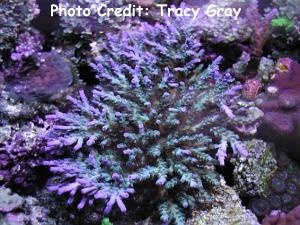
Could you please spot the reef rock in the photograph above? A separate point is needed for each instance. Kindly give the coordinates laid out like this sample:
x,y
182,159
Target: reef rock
x,y
19,154
9,202
49,80
252,174
281,106
17,210
227,210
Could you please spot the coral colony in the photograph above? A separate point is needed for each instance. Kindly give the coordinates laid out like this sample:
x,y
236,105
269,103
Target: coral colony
x,y
149,112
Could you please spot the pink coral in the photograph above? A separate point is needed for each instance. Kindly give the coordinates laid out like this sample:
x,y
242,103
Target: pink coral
x,y
251,89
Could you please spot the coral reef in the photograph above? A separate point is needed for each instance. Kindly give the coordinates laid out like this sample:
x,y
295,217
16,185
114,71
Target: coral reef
x,y
149,121
252,175
227,209
139,120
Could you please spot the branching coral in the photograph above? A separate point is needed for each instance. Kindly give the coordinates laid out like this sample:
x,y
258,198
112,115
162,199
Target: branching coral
x,y
150,120
95,177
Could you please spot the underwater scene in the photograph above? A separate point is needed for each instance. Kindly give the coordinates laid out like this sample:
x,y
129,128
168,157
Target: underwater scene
x,y
150,112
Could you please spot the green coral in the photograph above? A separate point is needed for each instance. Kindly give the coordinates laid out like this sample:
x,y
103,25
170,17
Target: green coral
x,y
284,22
289,18
106,221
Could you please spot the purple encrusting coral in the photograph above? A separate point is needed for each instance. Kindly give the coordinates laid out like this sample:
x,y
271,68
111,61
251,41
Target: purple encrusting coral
x,y
281,104
149,120
281,218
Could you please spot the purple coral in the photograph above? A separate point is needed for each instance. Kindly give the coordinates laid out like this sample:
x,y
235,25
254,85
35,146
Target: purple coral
x,y
281,105
150,120
49,81
29,45
281,218
260,26
93,180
